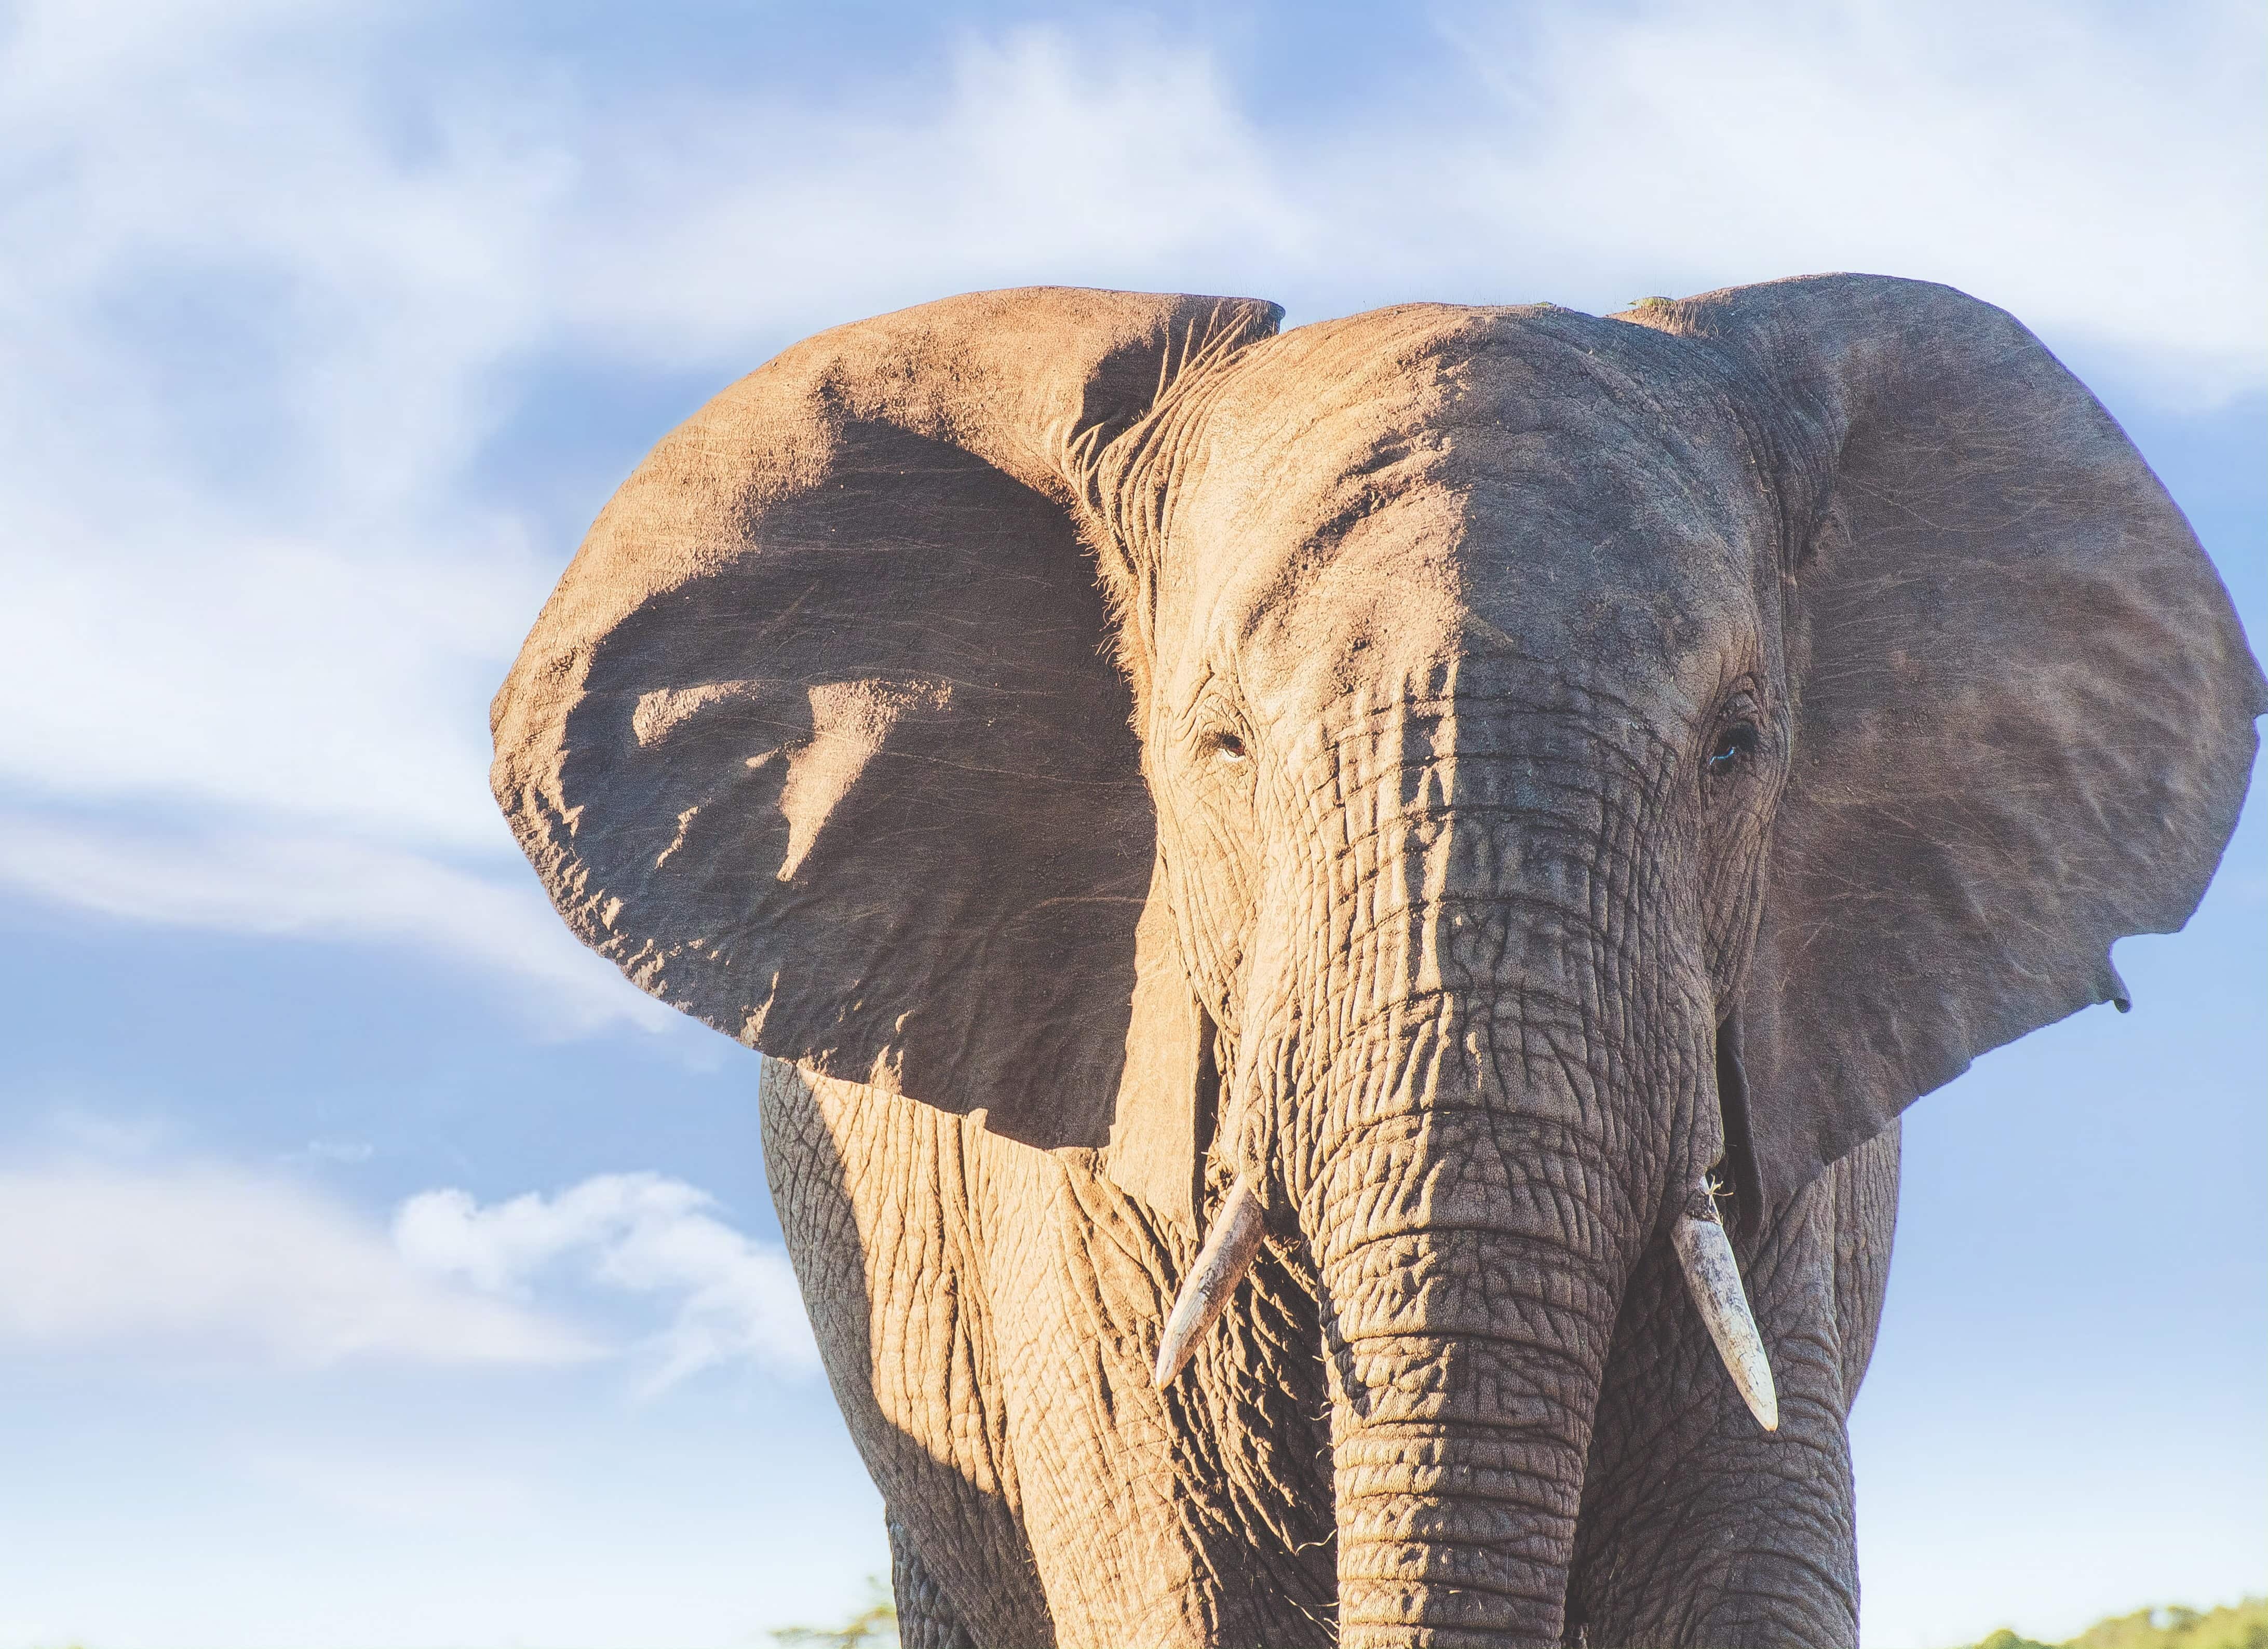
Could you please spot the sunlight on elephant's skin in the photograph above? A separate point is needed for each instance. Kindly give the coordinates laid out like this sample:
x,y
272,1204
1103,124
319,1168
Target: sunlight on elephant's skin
x,y
1491,812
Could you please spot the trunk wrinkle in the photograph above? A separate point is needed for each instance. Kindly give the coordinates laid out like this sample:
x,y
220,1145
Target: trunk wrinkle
x,y
1479,1067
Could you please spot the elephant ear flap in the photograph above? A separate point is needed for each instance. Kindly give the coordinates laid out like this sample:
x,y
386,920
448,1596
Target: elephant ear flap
x,y
2024,706
820,739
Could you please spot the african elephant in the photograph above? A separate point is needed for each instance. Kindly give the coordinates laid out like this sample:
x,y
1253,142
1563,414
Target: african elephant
x,y
1446,839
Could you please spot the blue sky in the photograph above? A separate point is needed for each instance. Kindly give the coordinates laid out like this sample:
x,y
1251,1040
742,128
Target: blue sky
x,y
376,1267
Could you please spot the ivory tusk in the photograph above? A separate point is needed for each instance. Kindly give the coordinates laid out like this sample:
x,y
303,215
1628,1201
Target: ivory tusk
x,y
1227,1254
1713,1277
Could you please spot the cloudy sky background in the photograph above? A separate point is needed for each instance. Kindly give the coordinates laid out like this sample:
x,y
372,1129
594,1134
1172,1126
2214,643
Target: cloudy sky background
x,y
376,1267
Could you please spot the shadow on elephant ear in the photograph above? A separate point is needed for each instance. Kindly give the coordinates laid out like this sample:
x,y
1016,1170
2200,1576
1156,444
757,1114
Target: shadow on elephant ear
x,y
892,821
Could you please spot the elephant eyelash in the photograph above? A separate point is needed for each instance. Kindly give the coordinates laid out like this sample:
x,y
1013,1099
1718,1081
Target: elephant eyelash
x,y
1734,744
1218,728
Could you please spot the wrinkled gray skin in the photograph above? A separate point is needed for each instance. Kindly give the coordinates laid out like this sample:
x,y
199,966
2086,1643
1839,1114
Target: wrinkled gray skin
x,y
1472,773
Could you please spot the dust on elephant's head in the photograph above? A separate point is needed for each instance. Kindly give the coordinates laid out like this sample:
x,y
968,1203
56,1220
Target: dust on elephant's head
x,y
1467,772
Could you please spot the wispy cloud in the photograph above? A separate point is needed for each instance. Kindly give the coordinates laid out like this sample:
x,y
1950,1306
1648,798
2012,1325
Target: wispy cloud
x,y
209,1261
1097,157
734,1300
2101,171
332,887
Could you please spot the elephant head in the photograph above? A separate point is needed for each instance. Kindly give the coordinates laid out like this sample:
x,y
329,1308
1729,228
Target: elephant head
x,y
1473,775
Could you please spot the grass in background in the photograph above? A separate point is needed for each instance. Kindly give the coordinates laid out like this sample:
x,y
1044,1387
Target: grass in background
x,y
2233,1626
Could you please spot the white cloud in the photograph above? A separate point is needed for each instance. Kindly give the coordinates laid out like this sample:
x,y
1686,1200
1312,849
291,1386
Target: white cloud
x,y
735,1300
2102,174
1045,154
178,656
331,887
211,1260
207,1260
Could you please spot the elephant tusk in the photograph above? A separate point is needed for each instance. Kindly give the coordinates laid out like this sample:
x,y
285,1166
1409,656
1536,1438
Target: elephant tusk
x,y
1713,1277
1227,1254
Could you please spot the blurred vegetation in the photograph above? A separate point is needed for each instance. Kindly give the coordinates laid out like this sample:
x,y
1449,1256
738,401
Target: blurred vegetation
x,y
873,1627
2232,1626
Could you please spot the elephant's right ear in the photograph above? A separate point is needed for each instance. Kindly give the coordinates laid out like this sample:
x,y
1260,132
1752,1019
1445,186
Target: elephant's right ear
x,y
820,738
2022,706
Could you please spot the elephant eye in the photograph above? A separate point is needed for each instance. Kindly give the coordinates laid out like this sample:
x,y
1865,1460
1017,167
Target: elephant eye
x,y
1226,746
1732,745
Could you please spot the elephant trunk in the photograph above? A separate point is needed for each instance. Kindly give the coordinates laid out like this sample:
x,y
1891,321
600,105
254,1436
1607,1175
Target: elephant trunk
x,y
1478,1153
1468,1315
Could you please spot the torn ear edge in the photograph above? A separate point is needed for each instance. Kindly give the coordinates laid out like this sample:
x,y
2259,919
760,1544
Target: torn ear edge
x,y
1168,1092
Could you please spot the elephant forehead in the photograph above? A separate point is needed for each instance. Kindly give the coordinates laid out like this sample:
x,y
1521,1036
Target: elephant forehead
x,y
1427,486
1420,594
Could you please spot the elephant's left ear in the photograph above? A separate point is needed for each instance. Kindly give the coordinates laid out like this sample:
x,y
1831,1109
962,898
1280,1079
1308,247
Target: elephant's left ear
x,y
820,739
2023,718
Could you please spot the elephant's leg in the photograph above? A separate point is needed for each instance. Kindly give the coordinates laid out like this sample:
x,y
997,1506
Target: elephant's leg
x,y
1698,1528
883,1222
1197,1515
988,1314
926,1619
1865,1185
